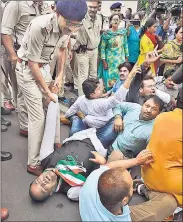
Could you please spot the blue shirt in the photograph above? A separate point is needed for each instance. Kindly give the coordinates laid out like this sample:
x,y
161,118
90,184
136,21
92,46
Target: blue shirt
x,y
160,32
117,85
90,206
136,133
133,45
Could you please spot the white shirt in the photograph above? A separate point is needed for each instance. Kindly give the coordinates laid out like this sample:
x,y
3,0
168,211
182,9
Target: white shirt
x,y
99,111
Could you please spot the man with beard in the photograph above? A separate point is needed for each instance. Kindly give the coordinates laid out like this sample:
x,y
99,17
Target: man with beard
x,y
86,46
137,122
33,69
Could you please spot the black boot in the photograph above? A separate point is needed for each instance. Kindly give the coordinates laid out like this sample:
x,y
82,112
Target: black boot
x,y
4,128
5,122
5,156
5,111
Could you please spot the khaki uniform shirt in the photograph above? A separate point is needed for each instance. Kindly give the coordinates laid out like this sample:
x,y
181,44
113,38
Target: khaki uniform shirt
x,y
16,18
89,33
41,38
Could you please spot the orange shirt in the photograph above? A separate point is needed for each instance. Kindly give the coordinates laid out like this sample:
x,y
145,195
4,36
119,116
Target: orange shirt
x,y
165,173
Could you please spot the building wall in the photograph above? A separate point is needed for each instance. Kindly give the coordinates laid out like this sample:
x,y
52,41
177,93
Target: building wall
x,y
127,4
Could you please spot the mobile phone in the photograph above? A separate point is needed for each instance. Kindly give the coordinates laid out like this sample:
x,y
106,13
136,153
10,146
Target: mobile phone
x,y
135,22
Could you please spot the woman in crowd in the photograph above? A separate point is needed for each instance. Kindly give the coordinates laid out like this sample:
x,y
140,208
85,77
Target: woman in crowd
x,y
148,42
113,51
133,32
172,51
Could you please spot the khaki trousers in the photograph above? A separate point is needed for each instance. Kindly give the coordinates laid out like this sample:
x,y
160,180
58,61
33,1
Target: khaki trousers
x,y
87,67
159,205
30,109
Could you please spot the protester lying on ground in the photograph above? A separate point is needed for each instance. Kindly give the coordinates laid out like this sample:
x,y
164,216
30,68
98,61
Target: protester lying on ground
x,y
67,168
108,190
124,70
134,123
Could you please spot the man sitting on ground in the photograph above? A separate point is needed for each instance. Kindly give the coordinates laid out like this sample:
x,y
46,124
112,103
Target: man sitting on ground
x,y
124,70
108,190
134,124
144,85
98,111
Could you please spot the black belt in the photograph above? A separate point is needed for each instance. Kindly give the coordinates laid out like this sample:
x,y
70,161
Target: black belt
x,y
90,49
26,62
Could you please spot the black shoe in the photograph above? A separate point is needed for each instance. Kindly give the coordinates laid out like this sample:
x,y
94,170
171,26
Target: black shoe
x,y
64,101
72,101
4,128
5,111
75,91
5,156
5,122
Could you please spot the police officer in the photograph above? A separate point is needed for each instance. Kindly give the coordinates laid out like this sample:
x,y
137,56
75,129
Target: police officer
x,y
116,9
33,70
86,46
17,16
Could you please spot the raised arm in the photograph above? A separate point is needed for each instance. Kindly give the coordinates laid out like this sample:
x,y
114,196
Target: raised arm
x,y
120,95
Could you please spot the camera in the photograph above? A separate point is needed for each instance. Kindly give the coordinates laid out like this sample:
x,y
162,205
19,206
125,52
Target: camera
x,y
176,10
161,8
135,22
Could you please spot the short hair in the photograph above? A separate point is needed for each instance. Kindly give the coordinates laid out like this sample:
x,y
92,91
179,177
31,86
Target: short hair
x,y
156,100
89,86
37,198
126,65
169,73
147,77
113,187
130,10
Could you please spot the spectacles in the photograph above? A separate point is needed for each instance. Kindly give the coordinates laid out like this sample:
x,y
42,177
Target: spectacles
x,y
69,24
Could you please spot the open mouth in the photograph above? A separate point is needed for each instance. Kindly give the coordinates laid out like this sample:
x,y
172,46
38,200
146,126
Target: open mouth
x,y
146,115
